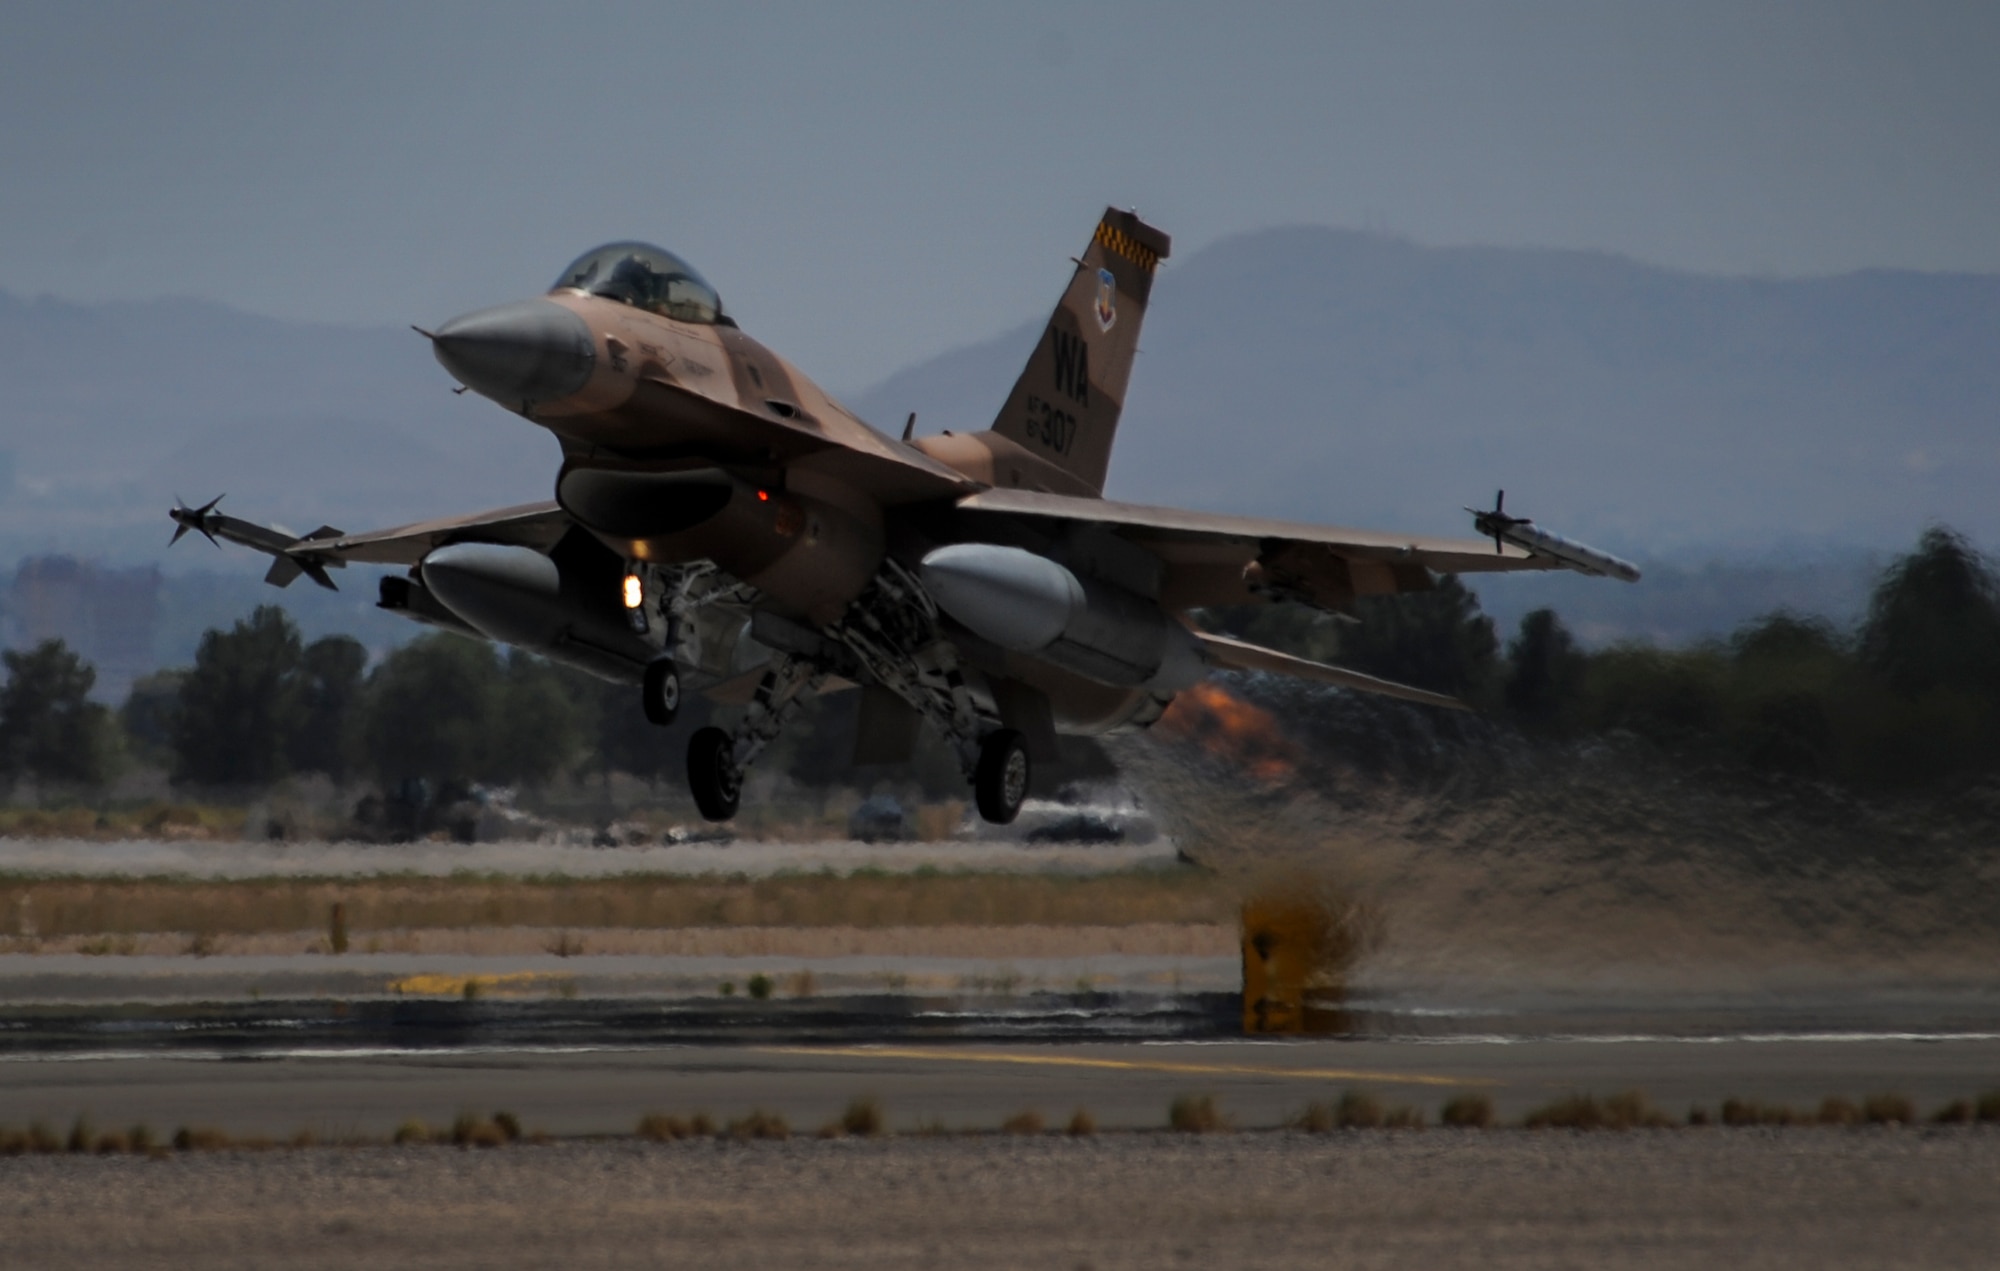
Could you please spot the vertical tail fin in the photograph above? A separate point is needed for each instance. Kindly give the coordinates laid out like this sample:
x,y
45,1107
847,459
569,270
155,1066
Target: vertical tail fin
x,y
1065,406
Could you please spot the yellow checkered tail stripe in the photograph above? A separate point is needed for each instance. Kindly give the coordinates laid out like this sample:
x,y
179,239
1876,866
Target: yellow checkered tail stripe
x,y
1113,239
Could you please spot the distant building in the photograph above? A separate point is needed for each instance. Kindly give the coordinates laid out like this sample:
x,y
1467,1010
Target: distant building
x,y
108,616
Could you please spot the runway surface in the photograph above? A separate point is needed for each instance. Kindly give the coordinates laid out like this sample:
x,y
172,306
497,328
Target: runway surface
x,y
584,1087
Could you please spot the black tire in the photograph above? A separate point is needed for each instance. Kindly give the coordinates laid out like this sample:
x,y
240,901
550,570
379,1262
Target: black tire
x,y
661,693
712,776
1000,782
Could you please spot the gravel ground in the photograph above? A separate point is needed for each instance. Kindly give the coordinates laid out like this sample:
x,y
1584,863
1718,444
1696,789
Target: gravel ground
x,y
1434,1199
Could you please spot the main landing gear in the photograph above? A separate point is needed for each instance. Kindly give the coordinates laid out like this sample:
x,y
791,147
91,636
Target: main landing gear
x,y
713,777
888,637
1000,781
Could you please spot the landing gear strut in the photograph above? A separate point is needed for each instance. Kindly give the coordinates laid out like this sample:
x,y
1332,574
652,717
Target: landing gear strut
x,y
661,693
717,760
1000,782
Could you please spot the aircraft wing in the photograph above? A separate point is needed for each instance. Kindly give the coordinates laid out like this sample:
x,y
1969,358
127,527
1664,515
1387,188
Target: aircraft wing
x,y
1217,559
1240,655
536,525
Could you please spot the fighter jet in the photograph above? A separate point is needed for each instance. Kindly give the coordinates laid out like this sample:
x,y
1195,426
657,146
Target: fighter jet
x,y
722,525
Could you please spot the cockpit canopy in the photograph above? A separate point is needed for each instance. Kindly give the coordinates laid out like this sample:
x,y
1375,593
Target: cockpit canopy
x,y
645,277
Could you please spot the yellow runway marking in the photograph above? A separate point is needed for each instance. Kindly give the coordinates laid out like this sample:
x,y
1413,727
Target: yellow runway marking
x,y
1131,1065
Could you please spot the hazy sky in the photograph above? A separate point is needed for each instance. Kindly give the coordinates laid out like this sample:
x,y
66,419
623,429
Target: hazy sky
x,y
871,183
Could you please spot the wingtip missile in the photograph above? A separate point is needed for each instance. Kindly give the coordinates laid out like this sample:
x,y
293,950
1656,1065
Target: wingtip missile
x,y
186,518
1522,532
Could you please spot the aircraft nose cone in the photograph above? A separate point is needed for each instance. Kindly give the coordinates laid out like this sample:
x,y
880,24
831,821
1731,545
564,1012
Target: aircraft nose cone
x,y
518,354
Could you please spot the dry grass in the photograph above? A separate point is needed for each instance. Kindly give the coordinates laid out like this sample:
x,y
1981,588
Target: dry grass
x,y
662,1128
1628,1111
1957,1112
1988,1106
1026,1121
1316,1118
1358,1110
152,820
470,1129
1742,1112
411,1131
1195,1114
864,1118
759,1125
1081,1124
210,908
199,1138
1468,1112
1888,1109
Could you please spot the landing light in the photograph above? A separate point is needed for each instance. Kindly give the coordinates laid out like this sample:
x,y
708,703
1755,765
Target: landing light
x,y
635,591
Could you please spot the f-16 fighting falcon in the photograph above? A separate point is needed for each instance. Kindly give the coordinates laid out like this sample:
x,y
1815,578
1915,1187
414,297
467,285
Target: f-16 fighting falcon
x,y
723,526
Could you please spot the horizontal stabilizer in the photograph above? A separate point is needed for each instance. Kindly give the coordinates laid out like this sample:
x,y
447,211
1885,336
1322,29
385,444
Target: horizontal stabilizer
x,y
1238,655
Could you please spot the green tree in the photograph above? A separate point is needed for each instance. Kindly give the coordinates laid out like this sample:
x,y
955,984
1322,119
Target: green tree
x,y
428,710
624,740
1545,673
148,714
241,705
1934,620
544,716
329,684
1435,639
49,727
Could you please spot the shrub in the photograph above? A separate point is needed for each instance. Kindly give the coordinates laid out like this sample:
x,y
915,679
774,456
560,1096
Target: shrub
x,y
1742,1112
760,986
1468,1111
1628,1111
82,1135
759,1125
509,1126
1317,1118
113,1143
1358,1111
1081,1124
1989,1106
471,1130
1957,1112
411,1131
661,1128
1027,1121
1195,1114
1888,1109
199,1138
863,1118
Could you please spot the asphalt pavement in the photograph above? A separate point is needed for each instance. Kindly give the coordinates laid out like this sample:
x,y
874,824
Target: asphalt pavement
x,y
579,1088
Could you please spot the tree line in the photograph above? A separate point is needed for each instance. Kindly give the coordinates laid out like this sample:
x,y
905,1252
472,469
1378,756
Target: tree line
x,y
1910,696
260,704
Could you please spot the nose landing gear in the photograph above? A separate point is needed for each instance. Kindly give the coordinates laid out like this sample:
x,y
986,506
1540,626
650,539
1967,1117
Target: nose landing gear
x,y
661,693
